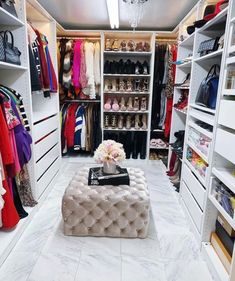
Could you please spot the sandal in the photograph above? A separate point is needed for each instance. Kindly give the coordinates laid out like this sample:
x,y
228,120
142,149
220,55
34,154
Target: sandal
x,y
107,105
106,120
115,106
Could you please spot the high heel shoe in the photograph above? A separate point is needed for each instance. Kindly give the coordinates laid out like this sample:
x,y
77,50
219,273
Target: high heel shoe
x,y
137,85
145,86
115,106
143,105
130,104
122,104
114,121
136,104
137,121
106,120
137,68
145,68
107,67
122,85
129,86
146,47
107,45
123,46
106,85
131,45
128,122
107,105
114,85
144,122
115,45
120,121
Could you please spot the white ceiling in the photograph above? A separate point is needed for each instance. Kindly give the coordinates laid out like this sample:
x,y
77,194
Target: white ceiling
x,y
92,14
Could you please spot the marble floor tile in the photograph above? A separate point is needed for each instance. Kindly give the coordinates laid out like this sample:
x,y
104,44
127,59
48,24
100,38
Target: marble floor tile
x,y
55,267
100,267
187,271
97,245
140,269
18,266
141,248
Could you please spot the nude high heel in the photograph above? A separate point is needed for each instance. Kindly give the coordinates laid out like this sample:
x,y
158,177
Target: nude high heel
x,y
122,104
130,104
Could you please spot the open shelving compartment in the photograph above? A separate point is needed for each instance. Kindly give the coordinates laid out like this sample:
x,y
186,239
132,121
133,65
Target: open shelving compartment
x,y
140,84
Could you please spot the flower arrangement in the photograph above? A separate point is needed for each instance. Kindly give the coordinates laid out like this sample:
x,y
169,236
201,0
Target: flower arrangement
x,y
109,151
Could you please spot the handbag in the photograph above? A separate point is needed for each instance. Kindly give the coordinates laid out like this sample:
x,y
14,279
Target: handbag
x,y
8,52
207,92
9,6
208,46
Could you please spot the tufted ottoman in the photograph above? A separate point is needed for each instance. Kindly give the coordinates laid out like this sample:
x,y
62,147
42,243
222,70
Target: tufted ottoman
x,y
111,211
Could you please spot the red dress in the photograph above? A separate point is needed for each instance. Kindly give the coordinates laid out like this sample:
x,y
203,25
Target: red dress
x,y
10,217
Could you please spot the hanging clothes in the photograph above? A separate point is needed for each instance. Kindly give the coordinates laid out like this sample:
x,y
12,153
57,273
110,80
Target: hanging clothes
x,y
15,153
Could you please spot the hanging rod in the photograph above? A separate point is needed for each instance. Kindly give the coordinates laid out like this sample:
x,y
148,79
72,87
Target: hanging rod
x,y
166,40
78,37
83,101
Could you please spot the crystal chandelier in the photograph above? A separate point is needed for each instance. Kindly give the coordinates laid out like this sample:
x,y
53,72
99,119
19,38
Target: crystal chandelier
x,y
135,11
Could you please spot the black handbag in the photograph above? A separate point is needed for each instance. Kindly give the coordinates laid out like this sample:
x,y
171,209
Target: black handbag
x,y
207,92
9,6
8,52
208,46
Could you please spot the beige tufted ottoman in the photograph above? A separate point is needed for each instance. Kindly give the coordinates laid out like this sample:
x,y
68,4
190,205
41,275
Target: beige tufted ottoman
x,y
112,211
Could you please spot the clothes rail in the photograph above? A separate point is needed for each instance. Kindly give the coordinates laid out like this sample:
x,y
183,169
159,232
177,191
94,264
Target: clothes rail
x,y
83,101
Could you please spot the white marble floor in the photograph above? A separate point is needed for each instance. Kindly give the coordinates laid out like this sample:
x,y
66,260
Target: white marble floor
x,y
169,253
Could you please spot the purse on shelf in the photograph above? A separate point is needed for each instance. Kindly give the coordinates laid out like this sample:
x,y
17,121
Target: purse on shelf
x,y
9,6
8,52
208,46
207,92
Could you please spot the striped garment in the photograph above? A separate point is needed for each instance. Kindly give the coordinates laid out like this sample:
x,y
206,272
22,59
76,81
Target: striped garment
x,y
19,101
80,129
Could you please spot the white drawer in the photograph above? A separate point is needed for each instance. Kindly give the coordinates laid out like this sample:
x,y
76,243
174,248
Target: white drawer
x,y
47,177
192,206
194,186
45,162
45,144
224,144
227,113
45,127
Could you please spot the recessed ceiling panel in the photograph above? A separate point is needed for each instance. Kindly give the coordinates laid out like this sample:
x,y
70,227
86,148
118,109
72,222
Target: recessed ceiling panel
x,y
92,14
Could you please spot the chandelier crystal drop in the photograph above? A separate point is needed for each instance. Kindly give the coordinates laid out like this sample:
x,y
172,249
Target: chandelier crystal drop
x,y
135,10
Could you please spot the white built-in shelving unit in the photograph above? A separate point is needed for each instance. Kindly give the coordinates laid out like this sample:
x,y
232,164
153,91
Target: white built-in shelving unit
x,y
197,189
43,114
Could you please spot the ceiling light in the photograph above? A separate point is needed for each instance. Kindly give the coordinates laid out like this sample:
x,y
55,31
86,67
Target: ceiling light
x,y
135,9
113,11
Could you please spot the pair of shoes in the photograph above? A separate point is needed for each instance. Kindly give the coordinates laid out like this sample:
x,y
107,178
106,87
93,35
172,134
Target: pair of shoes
x,y
158,143
142,47
111,46
136,104
120,121
127,67
182,103
111,105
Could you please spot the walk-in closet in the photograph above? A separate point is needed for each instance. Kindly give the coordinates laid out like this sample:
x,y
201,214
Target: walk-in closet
x,y
116,140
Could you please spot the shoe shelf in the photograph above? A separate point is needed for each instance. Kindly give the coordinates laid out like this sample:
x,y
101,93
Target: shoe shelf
x,y
210,56
126,75
209,110
185,65
158,130
200,129
230,60
159,148
127,111
127,53
10,66
125,129
181,88
8,19
125,93
180,110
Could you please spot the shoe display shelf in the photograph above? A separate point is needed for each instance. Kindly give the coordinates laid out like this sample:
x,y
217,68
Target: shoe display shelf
x,y
200,196
125,86
43,114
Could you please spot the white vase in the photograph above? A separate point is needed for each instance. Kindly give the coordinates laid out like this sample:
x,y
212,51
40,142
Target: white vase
x,y
109,168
